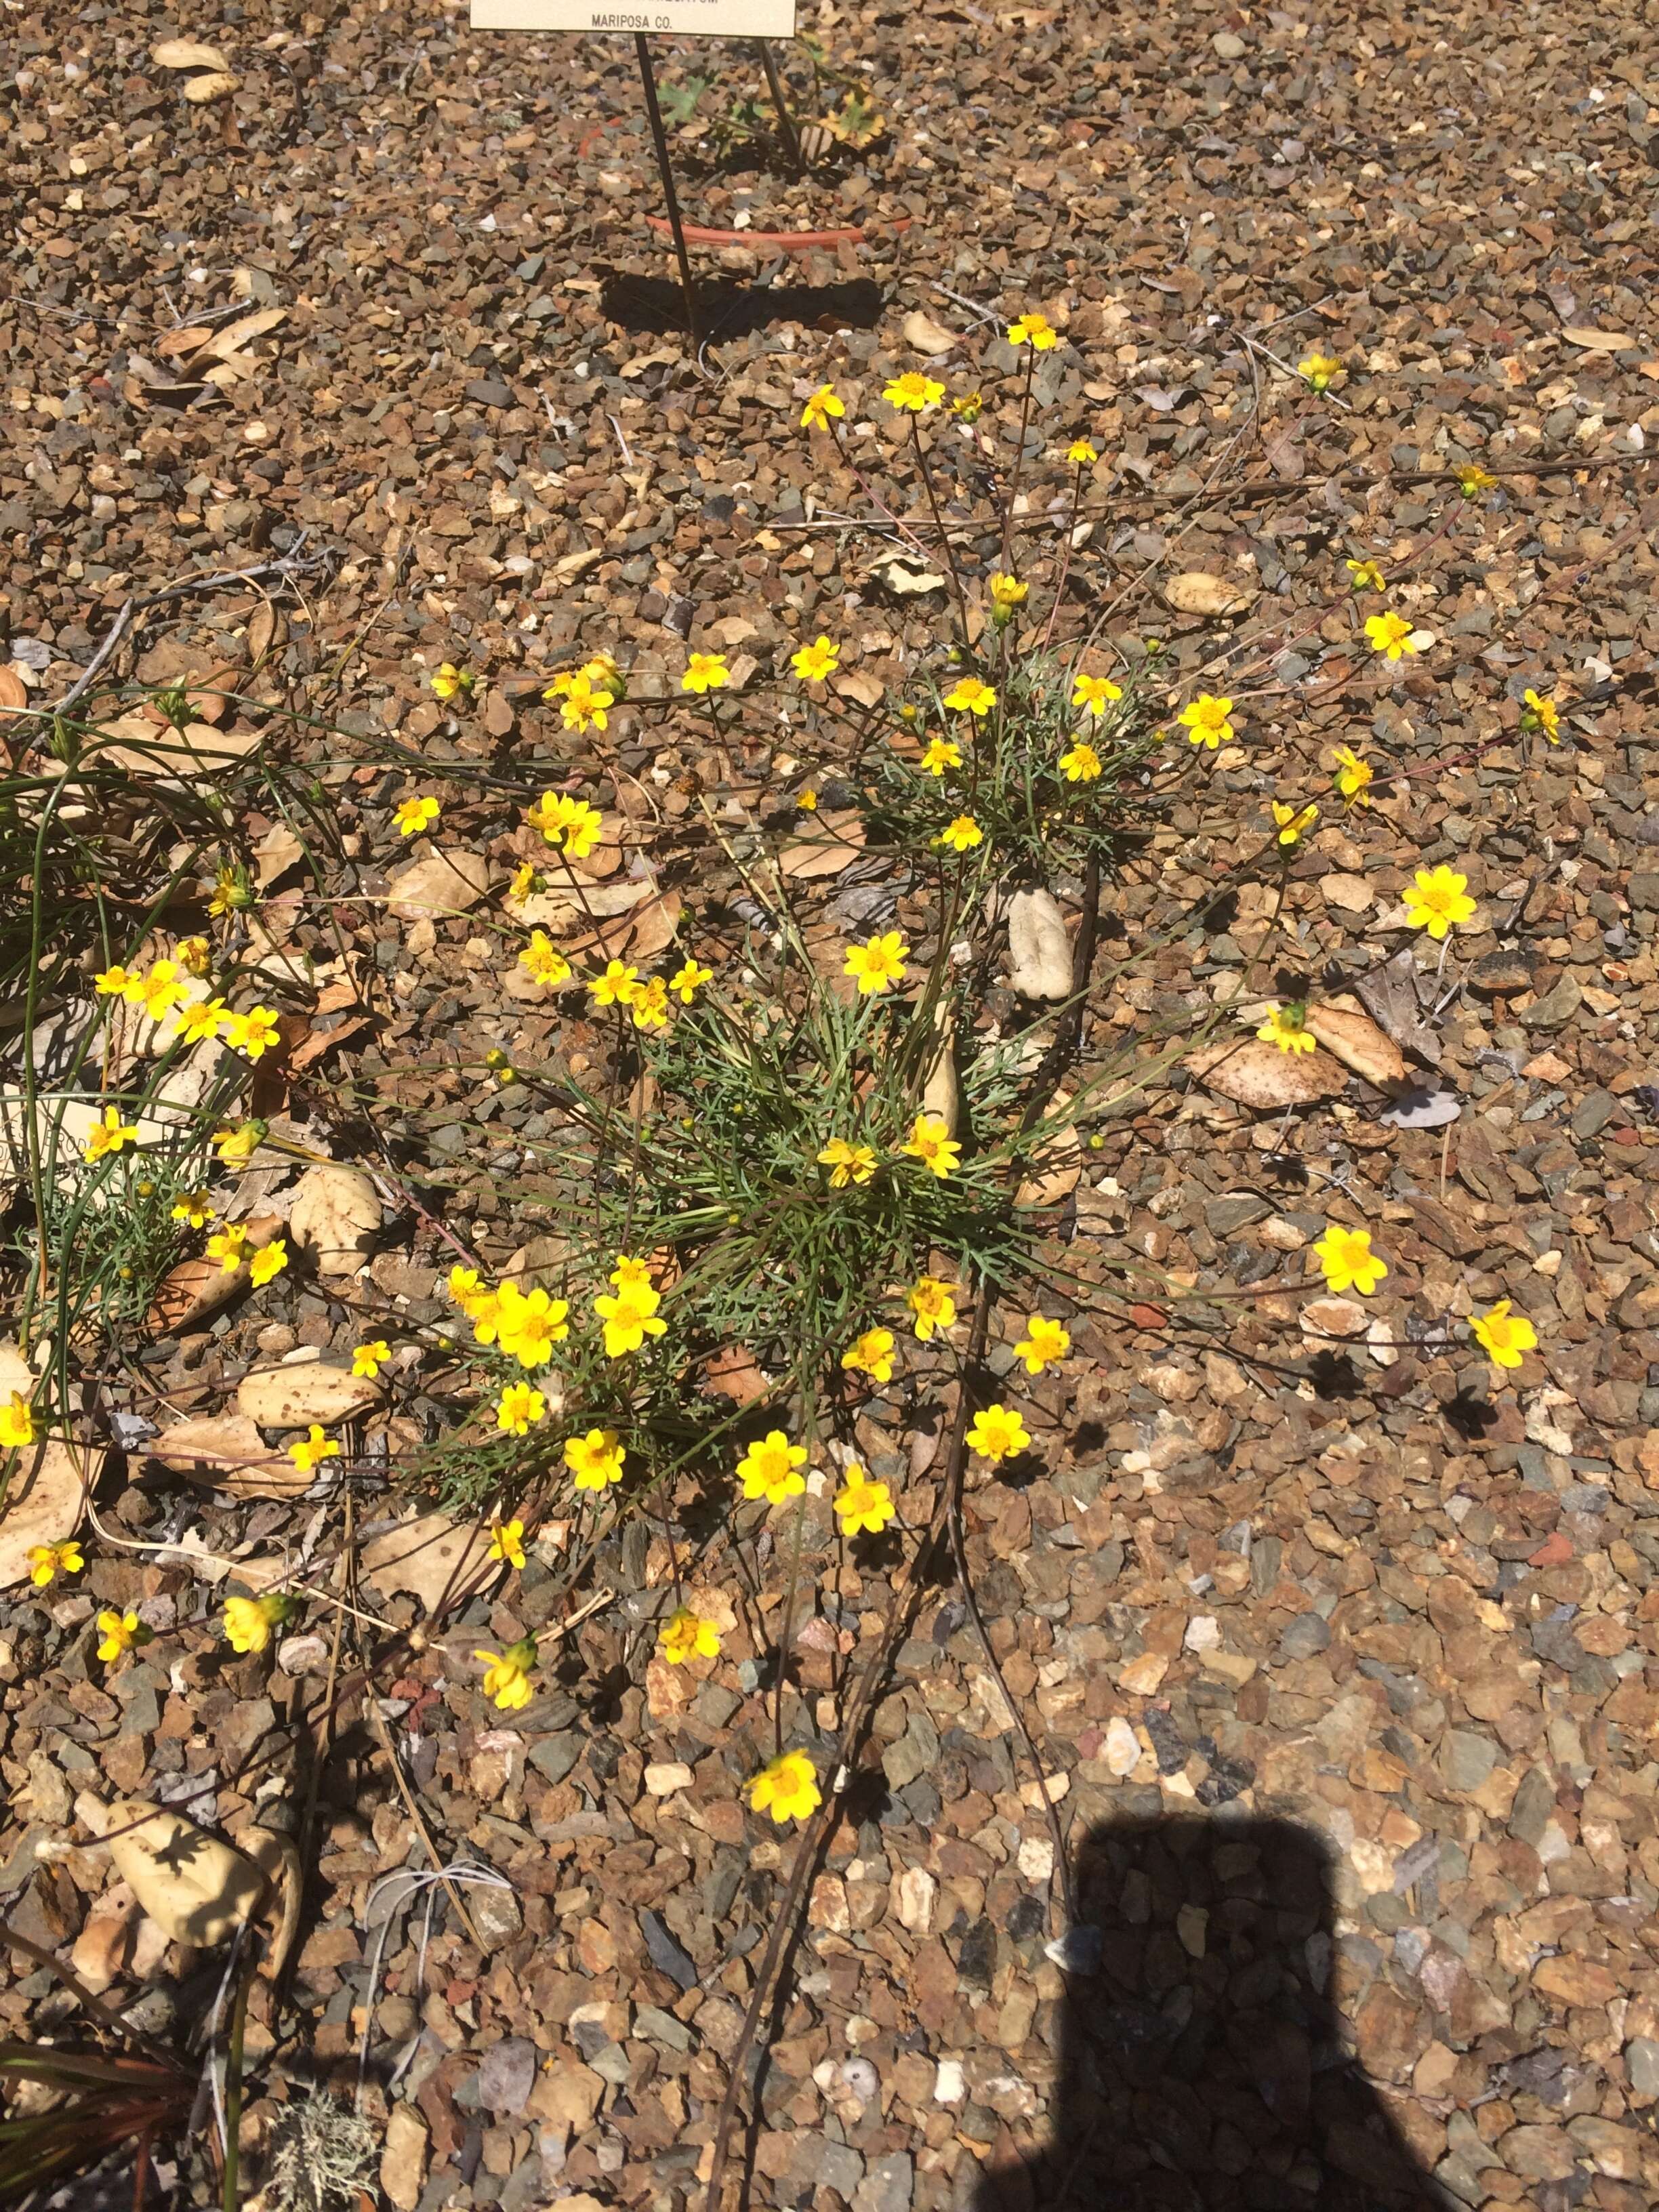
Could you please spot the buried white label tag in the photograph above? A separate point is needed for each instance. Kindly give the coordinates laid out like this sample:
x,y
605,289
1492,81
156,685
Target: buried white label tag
x,y
680,19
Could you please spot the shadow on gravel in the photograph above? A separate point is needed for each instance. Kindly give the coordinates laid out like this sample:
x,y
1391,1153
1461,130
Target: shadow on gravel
x,y
729,309
1202,2066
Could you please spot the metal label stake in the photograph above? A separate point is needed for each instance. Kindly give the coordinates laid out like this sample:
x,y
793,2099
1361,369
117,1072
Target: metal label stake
x,y
659,140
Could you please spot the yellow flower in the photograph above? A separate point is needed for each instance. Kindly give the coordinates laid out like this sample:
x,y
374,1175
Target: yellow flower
x,y
628,1319
463,1286
506,1675
48,1561
870,1354
1082,452
1082,764
199,1021
768,1468
912,393
1389,634
115,982
631,1274
1472,480
253,1032
617,987
1504,1336
970,407
518,1408
571,823
878,963
808,801
544,962
161,989
1367,576
267,1263
1095,692
998,1432
821,409
584,707
231,892
787,1787
120,1632
1542,714
1319,369
1346,1260
1354,776
312,1449
229,1246
450,680
194,952
706,671
941,753
1293,820
650,1005
968,695
962,835
109,1136
931,1302
414,815
1206,721
816,661
506,1537
528,1326
368,1360
595,1459
688,980
865,1507
1007,591
846,1162
1035,331
932,1143
1438,900
525,881
1044,1342
686,1635
236,1147
1287,1028
249,1620
16,1424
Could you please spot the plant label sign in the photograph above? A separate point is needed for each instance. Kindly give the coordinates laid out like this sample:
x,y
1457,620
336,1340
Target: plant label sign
x,y
680,19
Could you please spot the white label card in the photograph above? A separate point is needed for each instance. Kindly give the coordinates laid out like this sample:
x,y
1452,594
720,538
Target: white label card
x,y
679,18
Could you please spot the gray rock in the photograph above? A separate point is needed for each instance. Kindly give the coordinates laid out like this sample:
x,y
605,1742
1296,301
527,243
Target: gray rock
x,y
1465,1758
1535,1802
888,2184
1642,2064
489,391
1556,1007
1307,1635
555,1757
837,2165
659,2026
668,1954
495,1915
1643,891
506,2074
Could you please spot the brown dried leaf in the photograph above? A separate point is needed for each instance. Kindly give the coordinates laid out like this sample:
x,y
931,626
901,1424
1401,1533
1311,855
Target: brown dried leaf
x,y
334,1215
45,1494
1254,1074
440,884
1355,1039
300,1391
927,336
196,1288
277,851
734,1372
13,692
838,843
1197,592
188,54
227,1451
214,85
432,1556
192,1885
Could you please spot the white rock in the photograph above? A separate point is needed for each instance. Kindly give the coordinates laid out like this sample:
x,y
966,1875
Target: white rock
x,y
1121,1748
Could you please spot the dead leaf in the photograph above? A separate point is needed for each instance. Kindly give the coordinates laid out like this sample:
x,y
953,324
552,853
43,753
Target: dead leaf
x,y
1039,946
263,626
188,54
334,1215
927,336
497,712
1580,334
316,1042
13,692
852,683
214,85
1255,1073
1197,592
233,337
198,750
276,853
1423,1109
1390,995
300,1391
838,842
905,576
44,1495
227,1451
192,1885
735,1373
1355,1039
278,1859
440,883
654,926
941,1094
432,1556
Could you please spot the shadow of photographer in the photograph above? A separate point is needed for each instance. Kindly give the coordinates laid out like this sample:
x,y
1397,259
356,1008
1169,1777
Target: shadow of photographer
x,y
1203,2068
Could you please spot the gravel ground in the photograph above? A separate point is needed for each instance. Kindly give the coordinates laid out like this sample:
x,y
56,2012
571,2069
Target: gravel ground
x,y
1337,1646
